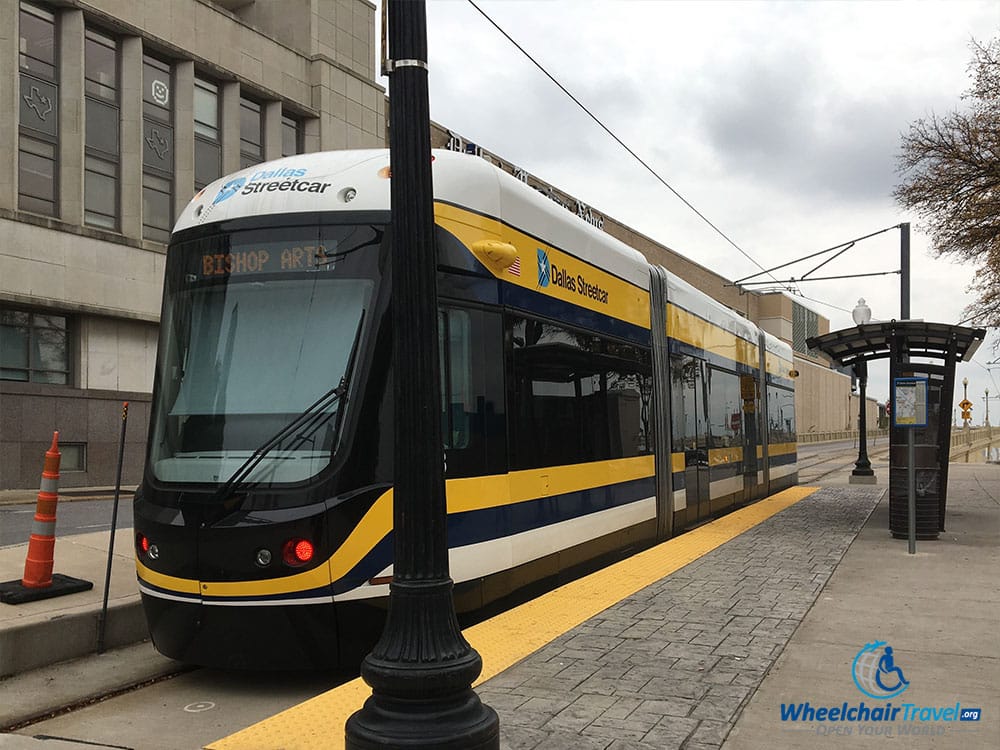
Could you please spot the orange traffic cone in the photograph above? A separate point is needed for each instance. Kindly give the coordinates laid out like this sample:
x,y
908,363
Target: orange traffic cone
x,y
38,581
42,543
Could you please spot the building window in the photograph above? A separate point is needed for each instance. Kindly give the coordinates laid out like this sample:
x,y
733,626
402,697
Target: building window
x,y
34,347
74,457
100,189
251,133
157,150
38,132
291,136
805,324
207,146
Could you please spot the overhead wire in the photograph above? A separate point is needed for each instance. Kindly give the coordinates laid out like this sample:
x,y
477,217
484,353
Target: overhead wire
x,y
618,140
821,302
793,288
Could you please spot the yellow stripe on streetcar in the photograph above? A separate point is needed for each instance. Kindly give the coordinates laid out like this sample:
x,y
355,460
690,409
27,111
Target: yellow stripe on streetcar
x,y
473,493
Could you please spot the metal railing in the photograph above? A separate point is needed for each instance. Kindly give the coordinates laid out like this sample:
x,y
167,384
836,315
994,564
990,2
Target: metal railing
x,y
967,441
826,437
964,441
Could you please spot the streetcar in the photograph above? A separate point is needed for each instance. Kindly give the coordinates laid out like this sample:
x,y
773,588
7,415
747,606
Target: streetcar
x,y
592,405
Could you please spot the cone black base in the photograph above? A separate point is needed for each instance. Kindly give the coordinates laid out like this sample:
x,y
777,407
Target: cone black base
x,y
14,592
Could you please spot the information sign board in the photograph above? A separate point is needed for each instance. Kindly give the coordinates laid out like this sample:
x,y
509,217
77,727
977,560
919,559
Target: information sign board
x,y
909,402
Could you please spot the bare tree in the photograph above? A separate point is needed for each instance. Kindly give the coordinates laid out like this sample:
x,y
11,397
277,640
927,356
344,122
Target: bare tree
x,y
950,167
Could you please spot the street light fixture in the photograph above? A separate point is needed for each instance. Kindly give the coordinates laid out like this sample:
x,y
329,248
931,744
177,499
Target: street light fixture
x,y
966,405
862,313
862,473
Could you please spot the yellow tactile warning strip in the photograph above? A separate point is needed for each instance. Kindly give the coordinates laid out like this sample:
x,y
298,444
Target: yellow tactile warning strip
x,y
509,637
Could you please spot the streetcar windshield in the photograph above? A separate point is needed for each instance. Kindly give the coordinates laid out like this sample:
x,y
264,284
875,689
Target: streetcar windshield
x,y
257,326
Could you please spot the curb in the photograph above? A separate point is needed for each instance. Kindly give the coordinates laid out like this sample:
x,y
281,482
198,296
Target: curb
x,y
67,495
46,640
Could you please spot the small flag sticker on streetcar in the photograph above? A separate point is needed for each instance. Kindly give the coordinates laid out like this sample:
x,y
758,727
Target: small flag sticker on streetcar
x,y
515,268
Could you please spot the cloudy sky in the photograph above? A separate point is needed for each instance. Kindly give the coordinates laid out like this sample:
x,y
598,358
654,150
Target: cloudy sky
x,y
779,121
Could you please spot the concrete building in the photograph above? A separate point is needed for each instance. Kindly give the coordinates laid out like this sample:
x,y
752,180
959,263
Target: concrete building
x,y
116,112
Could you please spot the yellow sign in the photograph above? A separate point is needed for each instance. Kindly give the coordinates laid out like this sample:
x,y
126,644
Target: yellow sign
x,y
965,403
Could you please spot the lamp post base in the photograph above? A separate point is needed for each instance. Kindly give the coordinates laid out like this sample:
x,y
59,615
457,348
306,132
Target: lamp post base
x,y
461,723
421,672
862,479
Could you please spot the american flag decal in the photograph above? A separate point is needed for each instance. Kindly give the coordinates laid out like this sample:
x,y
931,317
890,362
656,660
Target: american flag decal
x,y
515,268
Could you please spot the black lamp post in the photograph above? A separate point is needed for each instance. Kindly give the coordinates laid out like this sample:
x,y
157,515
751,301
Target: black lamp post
x,y
421,670
862,473
862,467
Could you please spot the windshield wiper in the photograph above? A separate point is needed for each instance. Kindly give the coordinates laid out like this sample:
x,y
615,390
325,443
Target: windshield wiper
x,y
304,424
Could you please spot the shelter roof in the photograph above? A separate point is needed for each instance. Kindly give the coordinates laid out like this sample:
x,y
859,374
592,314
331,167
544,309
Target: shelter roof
x,y
919,338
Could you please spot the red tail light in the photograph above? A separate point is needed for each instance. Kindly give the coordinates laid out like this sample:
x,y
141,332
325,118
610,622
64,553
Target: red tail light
x,y
297,552
146,547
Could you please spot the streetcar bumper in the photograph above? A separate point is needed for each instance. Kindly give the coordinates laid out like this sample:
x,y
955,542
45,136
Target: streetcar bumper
x,y
229,637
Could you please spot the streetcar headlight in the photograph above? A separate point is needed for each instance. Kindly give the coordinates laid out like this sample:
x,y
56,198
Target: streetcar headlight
x,y
297,552
263,557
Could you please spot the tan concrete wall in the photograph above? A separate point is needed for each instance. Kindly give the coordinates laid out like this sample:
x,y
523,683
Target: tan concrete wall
x,y
116,355
40,265
823,400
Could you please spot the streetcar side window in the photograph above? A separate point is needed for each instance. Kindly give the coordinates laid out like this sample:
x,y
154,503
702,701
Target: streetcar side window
x,y
473,427
575,397
780,415
687,397
455,358
725,409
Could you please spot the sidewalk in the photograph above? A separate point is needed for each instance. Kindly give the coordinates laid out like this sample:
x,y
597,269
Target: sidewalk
x,y
939,609
36,634
705,658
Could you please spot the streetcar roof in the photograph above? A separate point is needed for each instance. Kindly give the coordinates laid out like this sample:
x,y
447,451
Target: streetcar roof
x,y
357,180
692,299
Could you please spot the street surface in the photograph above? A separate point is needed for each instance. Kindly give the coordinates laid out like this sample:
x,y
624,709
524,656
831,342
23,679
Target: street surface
x,y
72,517
183,712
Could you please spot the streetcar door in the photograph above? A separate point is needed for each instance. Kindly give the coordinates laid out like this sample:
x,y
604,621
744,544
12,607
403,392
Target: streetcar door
x,y
751,437
662,426
691,433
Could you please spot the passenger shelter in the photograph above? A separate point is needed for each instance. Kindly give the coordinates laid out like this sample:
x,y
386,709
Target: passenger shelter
x,y
901,341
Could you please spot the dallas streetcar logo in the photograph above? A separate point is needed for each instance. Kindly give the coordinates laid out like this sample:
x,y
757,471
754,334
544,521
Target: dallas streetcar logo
x,y
550,273
544,269
284,180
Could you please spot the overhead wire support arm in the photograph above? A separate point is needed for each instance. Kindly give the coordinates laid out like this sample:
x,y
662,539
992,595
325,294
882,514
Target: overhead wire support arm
x,y
817,278
849,244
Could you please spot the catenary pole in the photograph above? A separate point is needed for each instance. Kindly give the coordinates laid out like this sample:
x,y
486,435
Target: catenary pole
x,y
422,668
904,271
